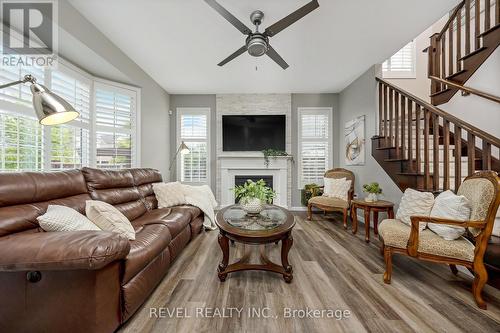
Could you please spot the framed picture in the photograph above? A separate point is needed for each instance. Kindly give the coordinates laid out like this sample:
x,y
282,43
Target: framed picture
x,y
354,137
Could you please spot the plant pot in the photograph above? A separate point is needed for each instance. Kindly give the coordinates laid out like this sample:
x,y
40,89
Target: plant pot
x,y
371,197
252,205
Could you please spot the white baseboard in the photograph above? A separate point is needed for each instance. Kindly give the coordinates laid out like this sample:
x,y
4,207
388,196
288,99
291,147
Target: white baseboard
x,y
298,209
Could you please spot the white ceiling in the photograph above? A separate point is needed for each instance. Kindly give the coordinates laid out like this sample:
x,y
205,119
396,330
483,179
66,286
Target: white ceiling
x,y
179,42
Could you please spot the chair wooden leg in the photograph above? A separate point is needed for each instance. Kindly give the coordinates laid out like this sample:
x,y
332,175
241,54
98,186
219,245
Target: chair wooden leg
x,y
309,211
382,248
345,218
454,269
388,264
480,279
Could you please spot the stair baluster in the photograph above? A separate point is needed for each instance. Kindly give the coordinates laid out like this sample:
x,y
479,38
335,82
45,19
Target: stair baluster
x,y
423,147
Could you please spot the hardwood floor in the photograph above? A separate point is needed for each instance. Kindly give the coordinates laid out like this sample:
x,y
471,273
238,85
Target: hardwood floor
x,y
333,270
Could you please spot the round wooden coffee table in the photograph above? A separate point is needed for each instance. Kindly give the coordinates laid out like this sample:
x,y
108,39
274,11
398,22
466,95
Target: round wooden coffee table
x,y
272,225
375,207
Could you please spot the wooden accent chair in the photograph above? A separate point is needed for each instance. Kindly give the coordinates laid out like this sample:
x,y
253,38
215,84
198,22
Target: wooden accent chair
x,y
328,204
483,191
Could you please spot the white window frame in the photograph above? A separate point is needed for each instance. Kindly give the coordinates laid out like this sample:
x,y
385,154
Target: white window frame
x,y
192,111
394,74
314,110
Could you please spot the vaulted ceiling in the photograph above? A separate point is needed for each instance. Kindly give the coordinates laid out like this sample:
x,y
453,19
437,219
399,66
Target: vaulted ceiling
x,y
179,42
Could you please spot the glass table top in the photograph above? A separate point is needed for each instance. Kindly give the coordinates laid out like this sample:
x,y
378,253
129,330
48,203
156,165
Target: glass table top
x,y
270,218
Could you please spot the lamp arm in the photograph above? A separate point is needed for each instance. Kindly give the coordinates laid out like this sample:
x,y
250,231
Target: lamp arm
x,y
27,78
174,158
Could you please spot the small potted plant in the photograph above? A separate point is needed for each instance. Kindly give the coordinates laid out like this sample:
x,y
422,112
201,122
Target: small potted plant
x,y
373,190
253,196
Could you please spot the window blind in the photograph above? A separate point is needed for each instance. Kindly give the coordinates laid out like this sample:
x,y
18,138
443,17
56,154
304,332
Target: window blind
x,y
194,133
21,143
115,124
403,62
70,143
314,145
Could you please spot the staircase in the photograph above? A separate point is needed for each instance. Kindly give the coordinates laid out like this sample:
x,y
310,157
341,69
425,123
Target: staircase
x,y
423,147
468,38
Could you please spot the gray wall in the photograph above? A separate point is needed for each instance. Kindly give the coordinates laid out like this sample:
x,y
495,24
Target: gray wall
x,y
310,100
154,99
360,98
192,101
298,100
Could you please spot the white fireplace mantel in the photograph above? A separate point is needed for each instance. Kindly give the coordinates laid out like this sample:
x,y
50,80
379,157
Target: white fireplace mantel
x,y
248,165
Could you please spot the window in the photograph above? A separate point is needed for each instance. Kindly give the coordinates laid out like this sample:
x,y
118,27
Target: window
x,y
115,125
314,144
193,129
70,143
402,64
105,135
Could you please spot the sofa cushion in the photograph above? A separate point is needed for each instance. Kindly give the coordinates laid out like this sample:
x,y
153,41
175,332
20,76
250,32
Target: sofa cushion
x,y
26,195
62,218
144,180
107,217
396,234
150,241
117,188
328,201
175,218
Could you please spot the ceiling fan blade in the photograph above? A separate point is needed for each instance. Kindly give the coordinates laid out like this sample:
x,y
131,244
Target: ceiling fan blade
x,y
276,57
234,55
228,16
291,19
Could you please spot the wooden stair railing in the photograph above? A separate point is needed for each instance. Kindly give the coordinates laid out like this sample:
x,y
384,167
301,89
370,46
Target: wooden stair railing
x,y
468,38
423,147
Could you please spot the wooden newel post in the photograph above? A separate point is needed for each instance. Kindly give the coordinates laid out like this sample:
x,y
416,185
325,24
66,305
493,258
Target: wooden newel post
x,y
433,63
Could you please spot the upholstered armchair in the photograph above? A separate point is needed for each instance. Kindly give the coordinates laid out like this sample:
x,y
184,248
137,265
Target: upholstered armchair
x,y
482,189
328,204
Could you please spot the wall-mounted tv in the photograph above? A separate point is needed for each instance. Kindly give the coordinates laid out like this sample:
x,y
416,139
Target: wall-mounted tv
x,y
253,133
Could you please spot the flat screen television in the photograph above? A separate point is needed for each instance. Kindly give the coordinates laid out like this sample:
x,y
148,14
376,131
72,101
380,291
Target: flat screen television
x,y
253,133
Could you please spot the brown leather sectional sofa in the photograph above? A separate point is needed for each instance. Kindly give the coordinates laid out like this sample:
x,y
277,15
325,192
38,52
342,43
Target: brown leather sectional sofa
x,y
84,281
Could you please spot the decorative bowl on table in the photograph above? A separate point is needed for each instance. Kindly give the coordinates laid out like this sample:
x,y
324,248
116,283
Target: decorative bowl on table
x,y
252,206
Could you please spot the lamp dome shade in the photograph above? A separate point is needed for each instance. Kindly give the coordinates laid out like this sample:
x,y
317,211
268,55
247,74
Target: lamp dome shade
x,y
50,108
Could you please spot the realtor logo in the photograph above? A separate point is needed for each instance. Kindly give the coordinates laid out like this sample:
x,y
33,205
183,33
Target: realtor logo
x,y
29,28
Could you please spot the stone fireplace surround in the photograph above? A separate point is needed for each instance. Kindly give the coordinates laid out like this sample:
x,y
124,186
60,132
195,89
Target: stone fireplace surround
x,y
231,164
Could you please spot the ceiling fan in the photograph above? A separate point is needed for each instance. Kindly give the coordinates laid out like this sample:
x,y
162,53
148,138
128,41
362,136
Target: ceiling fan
x,y
257,43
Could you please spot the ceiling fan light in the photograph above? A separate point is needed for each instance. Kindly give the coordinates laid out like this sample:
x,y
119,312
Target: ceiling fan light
x,y
50,108
257,46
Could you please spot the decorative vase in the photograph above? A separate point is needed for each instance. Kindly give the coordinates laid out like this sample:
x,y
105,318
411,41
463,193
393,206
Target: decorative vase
x,y
252,205
371,197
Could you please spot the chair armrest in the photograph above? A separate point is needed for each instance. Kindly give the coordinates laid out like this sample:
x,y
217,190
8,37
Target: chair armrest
x,y
455,223
70,250
412,245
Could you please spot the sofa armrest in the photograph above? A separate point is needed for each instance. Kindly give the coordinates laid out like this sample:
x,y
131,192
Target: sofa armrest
x,y
70,250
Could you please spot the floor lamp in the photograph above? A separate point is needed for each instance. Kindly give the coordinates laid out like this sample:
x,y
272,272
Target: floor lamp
x,y
183,149
49,107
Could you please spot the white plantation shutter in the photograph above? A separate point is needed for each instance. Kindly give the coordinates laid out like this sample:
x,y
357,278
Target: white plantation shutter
x,y
402,64
115,123
193,130
21,142
314,144
70,143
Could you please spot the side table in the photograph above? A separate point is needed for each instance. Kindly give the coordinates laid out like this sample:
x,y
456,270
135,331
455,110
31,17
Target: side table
x,y
375,207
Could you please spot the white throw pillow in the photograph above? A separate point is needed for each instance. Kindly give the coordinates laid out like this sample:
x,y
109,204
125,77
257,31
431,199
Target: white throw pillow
x,y
169,194
62,218
336,188
108,218
448,205
415,203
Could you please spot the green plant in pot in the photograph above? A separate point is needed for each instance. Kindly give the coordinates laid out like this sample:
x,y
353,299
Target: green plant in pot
x,y
253,196
373,190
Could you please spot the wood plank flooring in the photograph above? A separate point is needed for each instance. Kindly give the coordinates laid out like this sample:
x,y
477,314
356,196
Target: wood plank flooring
x,y
333,270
